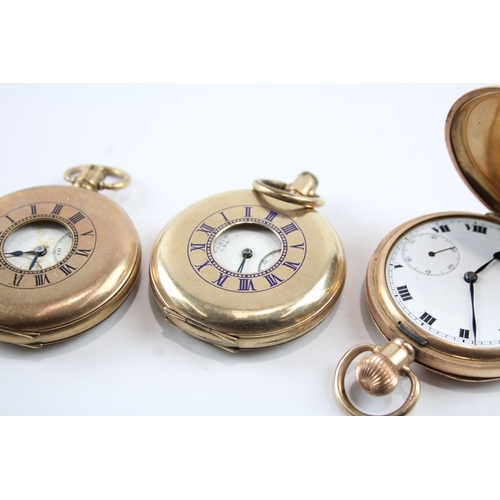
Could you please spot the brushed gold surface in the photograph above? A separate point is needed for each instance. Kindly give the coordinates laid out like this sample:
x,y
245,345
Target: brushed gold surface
x,y
226,316
98,282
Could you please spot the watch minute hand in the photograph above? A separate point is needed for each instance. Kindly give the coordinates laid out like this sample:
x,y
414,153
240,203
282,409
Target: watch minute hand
x,y
40,250
246,254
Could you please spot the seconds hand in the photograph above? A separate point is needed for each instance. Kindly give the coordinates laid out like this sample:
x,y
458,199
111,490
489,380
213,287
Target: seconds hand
x,y
471,277
439,251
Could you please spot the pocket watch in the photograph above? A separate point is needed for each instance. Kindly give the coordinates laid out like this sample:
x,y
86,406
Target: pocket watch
x,y
249,269
69,257
432,285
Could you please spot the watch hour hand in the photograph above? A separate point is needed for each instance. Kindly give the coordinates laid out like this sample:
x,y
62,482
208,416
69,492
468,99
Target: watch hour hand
x,y
40,250
18,253
496,256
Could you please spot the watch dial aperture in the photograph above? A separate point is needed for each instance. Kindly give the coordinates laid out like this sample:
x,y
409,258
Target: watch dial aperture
x,y
38,245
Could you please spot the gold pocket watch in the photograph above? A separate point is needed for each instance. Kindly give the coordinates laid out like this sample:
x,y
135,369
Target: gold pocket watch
x,y
249,269
433,283
69,257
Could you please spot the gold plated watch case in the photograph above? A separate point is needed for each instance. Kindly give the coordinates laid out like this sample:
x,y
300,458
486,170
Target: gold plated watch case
x,y
473,140
270,295
83,261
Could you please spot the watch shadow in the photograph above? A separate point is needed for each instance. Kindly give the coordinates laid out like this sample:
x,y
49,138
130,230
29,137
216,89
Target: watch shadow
x,y
215,353
11,351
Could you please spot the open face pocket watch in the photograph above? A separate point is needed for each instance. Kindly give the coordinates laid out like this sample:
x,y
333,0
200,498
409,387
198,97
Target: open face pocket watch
x,y
249,269
433,283
68,257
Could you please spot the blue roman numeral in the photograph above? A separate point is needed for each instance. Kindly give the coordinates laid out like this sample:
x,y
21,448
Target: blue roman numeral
x,y
246,285
199,268
290,228
271,215
197,246
205,228
221,280
272,279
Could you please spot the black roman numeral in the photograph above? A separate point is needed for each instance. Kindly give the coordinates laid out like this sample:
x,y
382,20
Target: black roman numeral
x,y
77,217
476,229
57,209
33,209
248,211
67,269
41,279
10,219
464,334
404,293
441,229
89,233
82,252
427,318
224,215
300,245
17,279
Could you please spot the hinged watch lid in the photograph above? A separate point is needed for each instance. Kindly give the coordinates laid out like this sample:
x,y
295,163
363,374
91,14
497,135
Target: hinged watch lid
x,y
473,141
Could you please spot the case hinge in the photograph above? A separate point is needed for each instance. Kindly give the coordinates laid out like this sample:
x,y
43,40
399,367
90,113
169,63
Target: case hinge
x,y
218,336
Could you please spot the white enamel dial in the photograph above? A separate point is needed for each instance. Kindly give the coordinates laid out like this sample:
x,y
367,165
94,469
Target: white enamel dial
x,y
38,245
247,248
444,275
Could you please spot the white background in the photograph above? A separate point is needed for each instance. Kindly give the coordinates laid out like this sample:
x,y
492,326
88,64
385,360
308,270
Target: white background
x,y
352,137
380,156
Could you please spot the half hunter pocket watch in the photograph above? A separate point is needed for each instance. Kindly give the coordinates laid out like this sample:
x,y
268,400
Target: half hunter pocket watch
x,y
69,257
433,284
249,269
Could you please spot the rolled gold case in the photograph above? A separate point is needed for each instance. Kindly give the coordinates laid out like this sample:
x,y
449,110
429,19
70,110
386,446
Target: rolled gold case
x,y
69,257
249,269
434,317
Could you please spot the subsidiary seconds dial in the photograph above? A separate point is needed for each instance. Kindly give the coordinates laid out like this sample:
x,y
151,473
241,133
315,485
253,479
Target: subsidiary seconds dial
x,y
430,253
